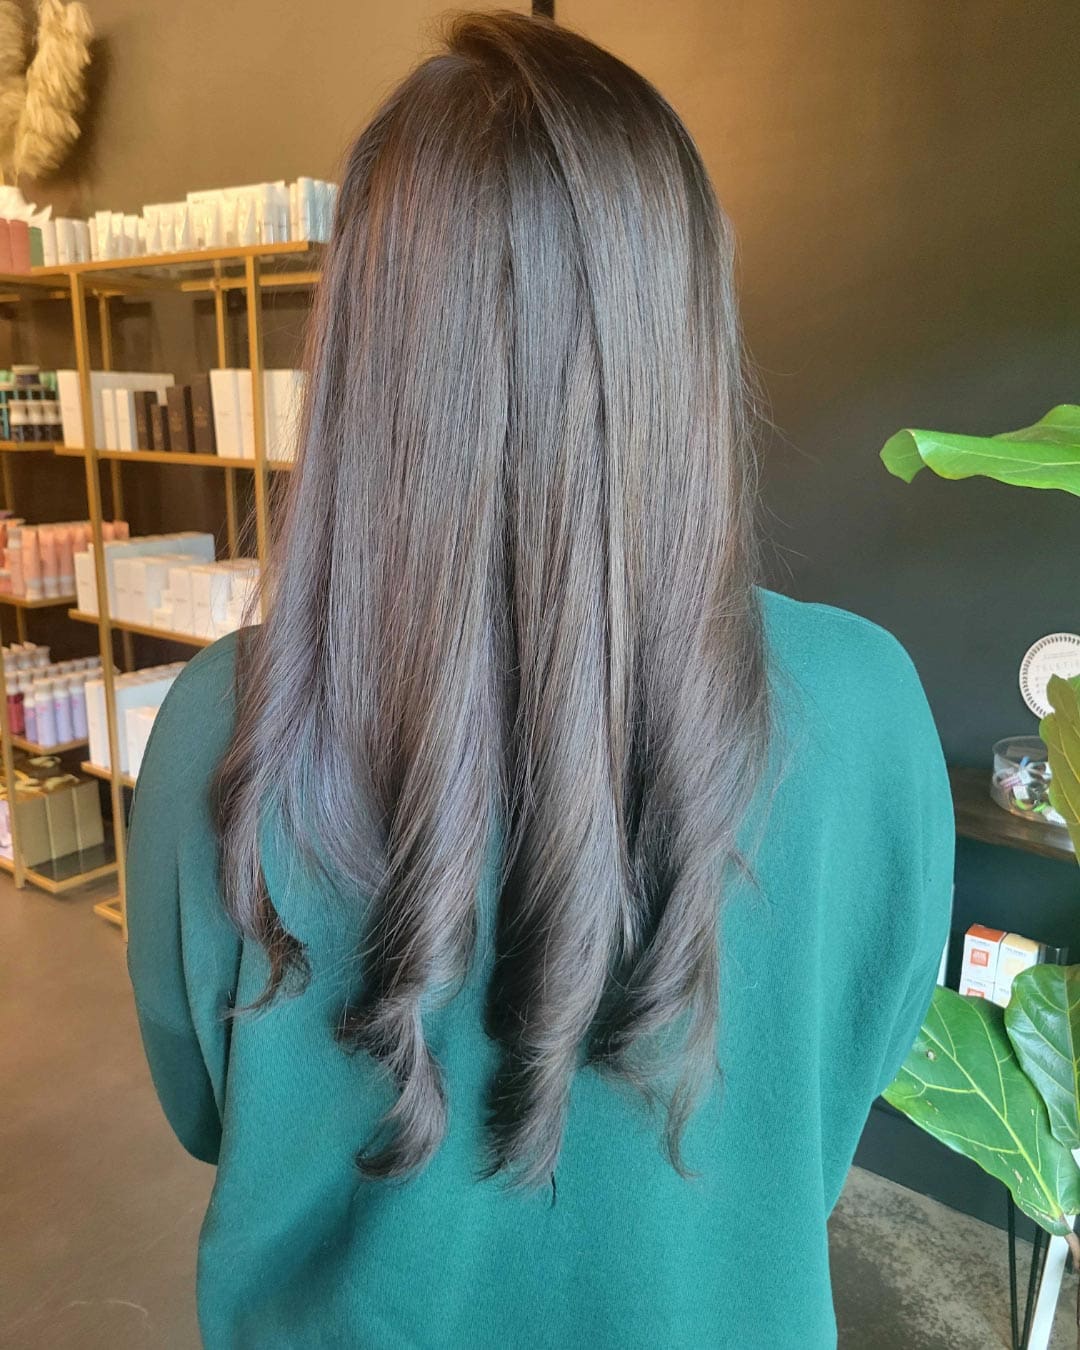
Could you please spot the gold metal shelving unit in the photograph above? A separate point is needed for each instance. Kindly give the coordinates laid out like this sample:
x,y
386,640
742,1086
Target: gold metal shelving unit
x,y
77,869
215,272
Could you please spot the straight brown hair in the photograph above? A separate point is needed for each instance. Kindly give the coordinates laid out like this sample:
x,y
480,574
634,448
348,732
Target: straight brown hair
x,y
511,607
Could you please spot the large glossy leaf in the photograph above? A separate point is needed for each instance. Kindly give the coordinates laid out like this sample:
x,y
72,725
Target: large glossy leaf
x,y
1061,732
1043,1024
962,1083
1046,455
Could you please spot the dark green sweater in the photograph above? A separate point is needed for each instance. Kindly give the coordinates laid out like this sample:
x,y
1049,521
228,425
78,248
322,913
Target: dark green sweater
x,y
828,967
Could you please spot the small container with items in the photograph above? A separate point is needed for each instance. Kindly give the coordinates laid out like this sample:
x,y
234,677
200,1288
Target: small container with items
x,y
1021,780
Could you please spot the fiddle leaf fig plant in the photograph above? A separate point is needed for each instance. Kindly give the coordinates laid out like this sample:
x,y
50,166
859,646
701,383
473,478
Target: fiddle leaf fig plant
x,y
1046,455
1061,733
1043,1024
1002,1086
962,1082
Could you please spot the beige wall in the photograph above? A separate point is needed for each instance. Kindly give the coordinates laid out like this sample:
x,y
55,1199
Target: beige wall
x,y
205,93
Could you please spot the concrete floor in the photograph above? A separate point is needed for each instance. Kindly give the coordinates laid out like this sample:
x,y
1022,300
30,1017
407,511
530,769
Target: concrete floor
x,y
101,1208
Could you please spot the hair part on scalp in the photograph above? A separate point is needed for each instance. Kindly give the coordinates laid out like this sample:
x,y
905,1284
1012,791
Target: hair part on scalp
x,y
511,600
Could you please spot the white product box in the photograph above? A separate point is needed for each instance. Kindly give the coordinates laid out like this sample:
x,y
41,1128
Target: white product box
x,y
126,436
245,395
139,689
982,947
284,404
225,397
1015,954
120,606
85,583
108,419
189,543
68,393
149,580
211,589
180,591
138,724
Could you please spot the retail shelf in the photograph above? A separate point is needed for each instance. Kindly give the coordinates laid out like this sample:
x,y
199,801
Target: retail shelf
x,y
74,869
176,459
979,817
293,263
144,630
112,910
39,447
33,285
99,771
46,602
21,743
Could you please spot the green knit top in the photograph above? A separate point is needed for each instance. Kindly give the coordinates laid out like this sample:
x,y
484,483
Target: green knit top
x,y
828,961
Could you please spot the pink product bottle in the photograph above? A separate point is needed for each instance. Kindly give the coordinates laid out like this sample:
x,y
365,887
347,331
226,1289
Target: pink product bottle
x,y
16,721
13,557
65,559
62,711
31,562
79,727
30,714
50,570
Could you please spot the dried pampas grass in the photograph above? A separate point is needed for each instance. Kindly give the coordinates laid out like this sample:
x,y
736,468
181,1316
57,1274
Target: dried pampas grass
x,y
55,89
12,80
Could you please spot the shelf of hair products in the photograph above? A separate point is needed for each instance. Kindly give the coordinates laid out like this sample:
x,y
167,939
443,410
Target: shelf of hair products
x,y
66,720
174,589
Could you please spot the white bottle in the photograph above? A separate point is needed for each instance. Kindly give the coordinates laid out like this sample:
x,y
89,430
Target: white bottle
x,y
62,712
78,708
30,713
46,714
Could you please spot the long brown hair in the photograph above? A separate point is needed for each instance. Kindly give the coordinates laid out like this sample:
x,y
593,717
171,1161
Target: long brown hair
x,y
511,608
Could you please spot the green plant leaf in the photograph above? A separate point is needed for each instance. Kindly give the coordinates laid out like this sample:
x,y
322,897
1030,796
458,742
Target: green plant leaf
x,y
1061,732
962,1083
1046,455
1043,1024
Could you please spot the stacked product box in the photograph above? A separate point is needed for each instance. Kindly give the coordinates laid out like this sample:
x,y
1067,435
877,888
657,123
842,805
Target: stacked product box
x,y
234,416
994,958
192,545
57,814
113,394
209,600
138,696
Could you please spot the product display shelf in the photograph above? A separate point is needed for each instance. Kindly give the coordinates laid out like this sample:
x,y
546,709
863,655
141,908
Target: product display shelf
x,y
32,285
70,872
176,459
42,602
979,817
217,271
99,771
77,869
143,630
33,748
294,264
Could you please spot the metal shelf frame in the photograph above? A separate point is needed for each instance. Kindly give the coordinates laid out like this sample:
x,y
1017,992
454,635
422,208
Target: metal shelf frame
x,y
215,272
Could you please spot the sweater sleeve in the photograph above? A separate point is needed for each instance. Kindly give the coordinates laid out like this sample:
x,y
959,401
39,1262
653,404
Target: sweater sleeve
x,y
174,912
